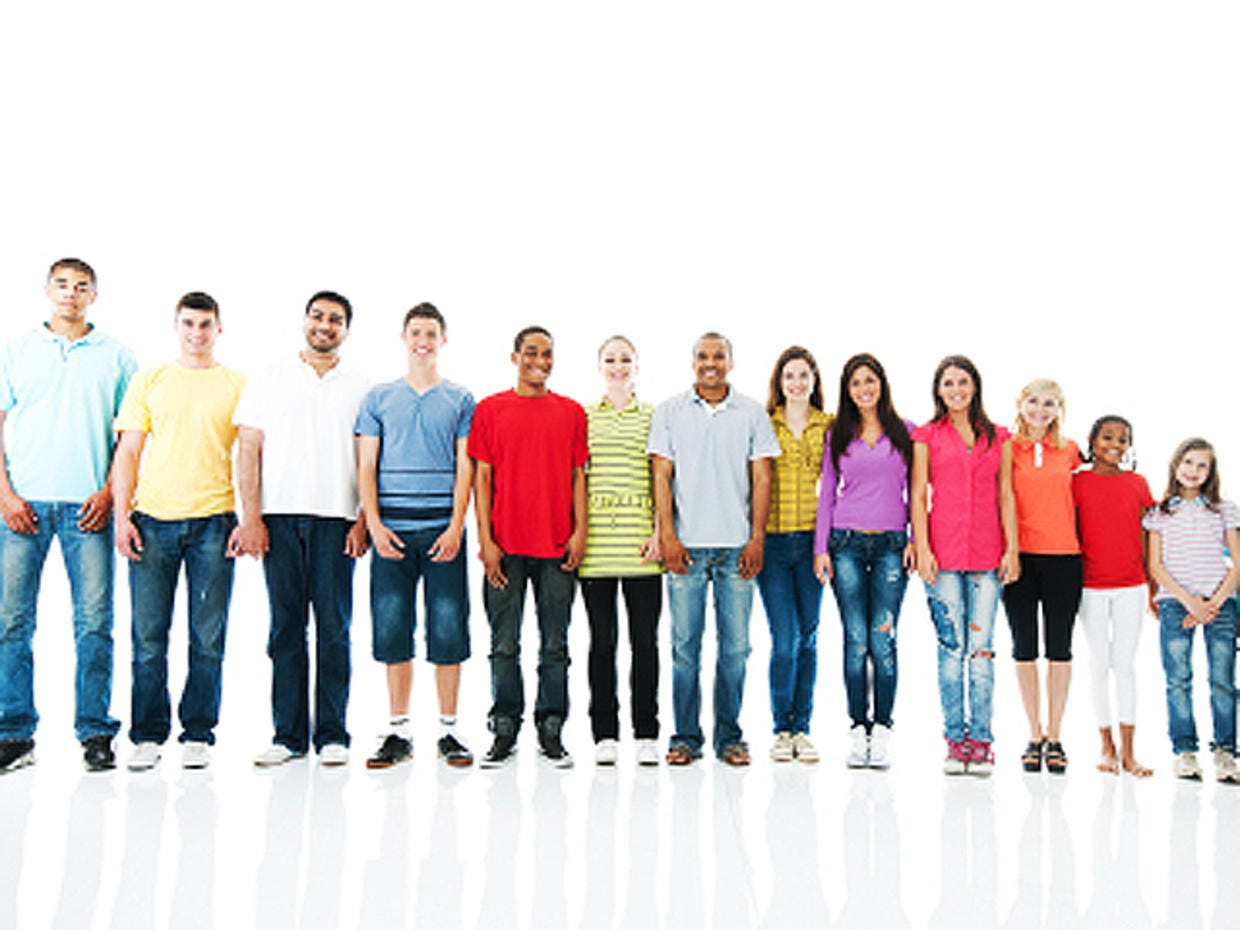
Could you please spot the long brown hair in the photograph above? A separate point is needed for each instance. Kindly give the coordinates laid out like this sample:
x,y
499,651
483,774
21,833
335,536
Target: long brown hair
x,y
775,396
977,413
847,423
1209,487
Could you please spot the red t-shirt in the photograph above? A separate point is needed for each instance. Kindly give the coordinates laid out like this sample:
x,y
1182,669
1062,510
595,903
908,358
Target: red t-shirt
x,y
532,445
1108,519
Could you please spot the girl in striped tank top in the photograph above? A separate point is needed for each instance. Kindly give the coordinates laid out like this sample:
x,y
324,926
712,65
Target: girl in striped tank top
x,y
1192,530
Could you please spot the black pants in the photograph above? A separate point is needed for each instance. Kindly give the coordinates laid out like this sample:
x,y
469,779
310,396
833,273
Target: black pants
x,y
643,600
1054,581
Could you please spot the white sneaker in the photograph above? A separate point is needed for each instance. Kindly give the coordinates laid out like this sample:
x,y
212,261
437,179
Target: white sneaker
x,y
1187,766
647,752
275,754
145,757
334,754
880,738
1225,769
606,751
859,751
195,755
803,749
781,749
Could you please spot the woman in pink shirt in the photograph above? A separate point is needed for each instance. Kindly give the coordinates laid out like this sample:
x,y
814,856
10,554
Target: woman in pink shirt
x,y
966,550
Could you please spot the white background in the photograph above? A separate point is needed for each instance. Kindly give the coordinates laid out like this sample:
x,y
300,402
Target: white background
x,y
1051,189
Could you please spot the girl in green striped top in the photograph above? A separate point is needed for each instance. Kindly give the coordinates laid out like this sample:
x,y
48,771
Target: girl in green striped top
x,y
622,554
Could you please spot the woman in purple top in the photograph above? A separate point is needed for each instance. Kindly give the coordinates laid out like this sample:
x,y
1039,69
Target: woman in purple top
x,y
861,546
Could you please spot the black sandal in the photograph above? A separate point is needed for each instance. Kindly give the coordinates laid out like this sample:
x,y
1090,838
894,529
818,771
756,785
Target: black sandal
x,y
1056,759
1031,759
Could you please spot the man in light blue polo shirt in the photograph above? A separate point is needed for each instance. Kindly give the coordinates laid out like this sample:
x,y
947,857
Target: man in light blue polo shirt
x,y
60,387
712,451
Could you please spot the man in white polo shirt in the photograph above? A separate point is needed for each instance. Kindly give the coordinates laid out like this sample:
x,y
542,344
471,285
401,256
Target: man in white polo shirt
x,y
712,451
60,387
296,475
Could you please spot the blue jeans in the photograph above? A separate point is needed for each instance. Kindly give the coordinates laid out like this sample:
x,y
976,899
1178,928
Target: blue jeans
x,y
791,597
962,605
1177,660
869,588
88,562
199,544
553,598
306,566
445,597
687,600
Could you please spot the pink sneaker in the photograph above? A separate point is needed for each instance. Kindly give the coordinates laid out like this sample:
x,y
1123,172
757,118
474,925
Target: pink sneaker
x,y
957,760
981,757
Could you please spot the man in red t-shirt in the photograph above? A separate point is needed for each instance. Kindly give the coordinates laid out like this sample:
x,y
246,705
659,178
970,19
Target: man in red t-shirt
x,y
529,447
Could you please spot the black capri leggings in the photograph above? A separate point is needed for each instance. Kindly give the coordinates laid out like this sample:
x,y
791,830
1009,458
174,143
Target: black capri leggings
x,y
1054,581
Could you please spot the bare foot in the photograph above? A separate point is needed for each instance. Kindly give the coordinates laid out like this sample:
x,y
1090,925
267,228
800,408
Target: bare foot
x,y
1136,769
1109,764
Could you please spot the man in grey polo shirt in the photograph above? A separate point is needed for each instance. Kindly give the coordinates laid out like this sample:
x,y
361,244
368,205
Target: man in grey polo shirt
x,y
712,450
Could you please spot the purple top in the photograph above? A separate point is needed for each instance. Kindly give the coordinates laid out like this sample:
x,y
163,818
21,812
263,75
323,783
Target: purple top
x,y
869,492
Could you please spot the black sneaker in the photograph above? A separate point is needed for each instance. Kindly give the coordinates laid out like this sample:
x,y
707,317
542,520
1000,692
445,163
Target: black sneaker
x,y
97,754
454,753
394,749
15,754
501,752
552,749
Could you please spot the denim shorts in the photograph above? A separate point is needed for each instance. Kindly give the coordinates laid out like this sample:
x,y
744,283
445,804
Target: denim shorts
x,y
445,599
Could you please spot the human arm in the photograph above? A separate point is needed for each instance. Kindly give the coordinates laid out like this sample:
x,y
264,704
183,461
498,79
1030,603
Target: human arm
x,y
357,539
250,535
387,542
576,547
124,479
827,486
750,561
489,551
1009,565
18,514
448,543
1227,587
675,556
919,514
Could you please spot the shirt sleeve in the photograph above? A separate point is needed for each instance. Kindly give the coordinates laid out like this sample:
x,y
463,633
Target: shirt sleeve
x,y
368,422
8,398
581,445
466,419
763,443
479,446
135,414
249,410
660,439
1153,520
128,368
1147,499
1230,513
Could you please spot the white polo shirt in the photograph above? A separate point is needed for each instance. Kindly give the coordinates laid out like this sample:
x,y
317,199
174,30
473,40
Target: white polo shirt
x,y
309,466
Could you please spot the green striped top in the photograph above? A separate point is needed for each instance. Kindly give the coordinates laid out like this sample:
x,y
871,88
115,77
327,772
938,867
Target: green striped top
x,y
620,513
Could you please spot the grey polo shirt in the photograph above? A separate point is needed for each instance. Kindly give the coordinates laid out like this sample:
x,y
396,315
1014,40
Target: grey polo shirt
x,y
711,448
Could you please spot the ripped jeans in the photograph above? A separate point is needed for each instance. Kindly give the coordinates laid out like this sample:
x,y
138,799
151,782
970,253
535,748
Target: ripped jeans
x,y
962,606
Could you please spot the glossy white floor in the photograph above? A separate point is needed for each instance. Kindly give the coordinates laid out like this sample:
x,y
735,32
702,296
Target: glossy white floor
x,y
528,846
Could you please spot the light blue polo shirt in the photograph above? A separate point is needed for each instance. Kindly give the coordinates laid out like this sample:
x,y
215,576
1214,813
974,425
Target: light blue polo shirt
x,y
59,399
711,448
417,450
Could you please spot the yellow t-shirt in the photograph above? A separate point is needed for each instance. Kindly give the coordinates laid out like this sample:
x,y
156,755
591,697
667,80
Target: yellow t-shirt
x,y
187,463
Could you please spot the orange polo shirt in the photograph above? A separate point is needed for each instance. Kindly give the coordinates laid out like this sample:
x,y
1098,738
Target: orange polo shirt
x,y
1042,483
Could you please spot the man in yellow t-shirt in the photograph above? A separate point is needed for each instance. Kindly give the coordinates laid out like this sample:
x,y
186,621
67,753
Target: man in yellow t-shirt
x,y
180,413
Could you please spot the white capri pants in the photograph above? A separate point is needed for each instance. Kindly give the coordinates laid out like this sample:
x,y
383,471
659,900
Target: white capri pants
x,y
1111,619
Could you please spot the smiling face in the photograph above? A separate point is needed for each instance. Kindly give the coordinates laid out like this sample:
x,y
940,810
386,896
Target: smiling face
x,y
534,359
797,380
1193,471
712,361
1039,410
325,327
956,389
197,331
865,389
1111,445
617,363
71,291
423,337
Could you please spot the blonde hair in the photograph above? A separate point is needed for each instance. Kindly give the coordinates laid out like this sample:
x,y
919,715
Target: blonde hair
x,y
1041,386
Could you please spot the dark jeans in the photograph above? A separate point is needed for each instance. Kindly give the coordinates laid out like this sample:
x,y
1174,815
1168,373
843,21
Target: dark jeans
x,y
553,597
643,601
198,544
792,599
306,567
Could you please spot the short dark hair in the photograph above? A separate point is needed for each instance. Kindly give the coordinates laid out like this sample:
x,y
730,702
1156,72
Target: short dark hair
x,y
76,264
199,300
529,331
333,297
714,335
425,311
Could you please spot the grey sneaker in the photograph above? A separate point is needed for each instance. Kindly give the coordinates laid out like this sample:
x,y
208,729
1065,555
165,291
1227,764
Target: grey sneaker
x,y
1186,766
1225,769
859,747
195,755
144,758
781,749
880,739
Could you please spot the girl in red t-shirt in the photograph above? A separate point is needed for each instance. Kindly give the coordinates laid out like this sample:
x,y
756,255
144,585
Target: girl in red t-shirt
x,y
1110,501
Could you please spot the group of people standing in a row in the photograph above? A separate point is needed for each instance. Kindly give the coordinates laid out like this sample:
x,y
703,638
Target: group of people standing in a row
x,y
721,494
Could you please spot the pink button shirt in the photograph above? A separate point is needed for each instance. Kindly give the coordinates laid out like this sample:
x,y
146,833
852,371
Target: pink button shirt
x,y
966,534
